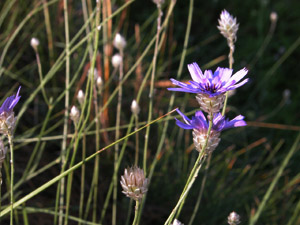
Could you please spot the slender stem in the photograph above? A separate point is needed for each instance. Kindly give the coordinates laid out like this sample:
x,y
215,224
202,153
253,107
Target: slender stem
x,y
152,86
41,75
201,192
136,212
114,216
10,141
70,177
136,158
193,175
96,166
66,115
82,177
231,60
49,31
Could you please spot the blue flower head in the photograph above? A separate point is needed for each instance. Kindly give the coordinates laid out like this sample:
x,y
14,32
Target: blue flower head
x,y
199,122
209,83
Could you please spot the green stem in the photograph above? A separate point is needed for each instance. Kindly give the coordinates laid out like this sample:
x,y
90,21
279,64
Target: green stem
x,y
66,114
152,86
136,213
193,174
201,192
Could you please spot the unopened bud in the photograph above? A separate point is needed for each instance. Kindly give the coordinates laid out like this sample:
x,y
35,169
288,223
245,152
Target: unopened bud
x,y
80,97
34,42
119,42
99,83
233,218
116,60
75,114
135,109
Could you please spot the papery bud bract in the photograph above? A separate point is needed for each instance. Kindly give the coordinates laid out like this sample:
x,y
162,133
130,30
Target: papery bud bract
x,y
233,218
74,114
80,97
119,42
135,109
34,42
116,60
134,183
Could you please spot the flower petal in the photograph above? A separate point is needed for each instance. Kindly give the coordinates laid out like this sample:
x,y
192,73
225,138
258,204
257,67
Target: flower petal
x,y
195,72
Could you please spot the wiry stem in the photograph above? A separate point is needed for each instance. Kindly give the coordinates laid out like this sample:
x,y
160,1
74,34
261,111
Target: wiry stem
x,y
66,115
114,217
136,213
152,86
194,173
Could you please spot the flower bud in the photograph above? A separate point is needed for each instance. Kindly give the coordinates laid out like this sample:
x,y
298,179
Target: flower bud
x,y
135,109
233,218
116,60
34,42
75,114
80,97
119,42
134,183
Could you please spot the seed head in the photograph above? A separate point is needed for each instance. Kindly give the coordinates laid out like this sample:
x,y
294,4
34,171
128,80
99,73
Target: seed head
x,y
233,218
116,60
135,109
228,26
80,97
75,114
34,42
134,183
119,42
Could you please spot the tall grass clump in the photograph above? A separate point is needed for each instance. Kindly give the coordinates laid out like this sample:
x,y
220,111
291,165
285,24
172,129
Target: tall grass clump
x,y
88,122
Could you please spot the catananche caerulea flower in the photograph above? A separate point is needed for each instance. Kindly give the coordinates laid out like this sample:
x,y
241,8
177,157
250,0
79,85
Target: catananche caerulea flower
x,y
211,87
199,124
7,118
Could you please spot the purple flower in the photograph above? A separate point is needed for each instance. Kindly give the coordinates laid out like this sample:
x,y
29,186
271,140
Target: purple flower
x,y
200,123
211,84
10,103
7,116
